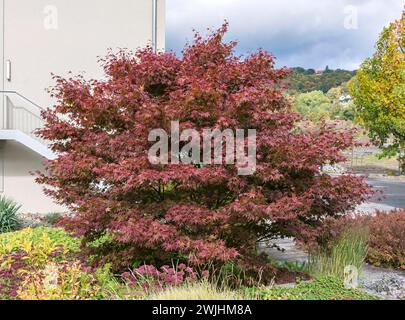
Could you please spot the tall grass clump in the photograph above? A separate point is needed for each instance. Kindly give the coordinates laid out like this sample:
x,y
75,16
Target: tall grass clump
x,y
8,215
203,290
348,250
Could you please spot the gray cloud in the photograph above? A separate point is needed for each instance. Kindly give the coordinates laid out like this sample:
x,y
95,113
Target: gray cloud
x,y
308,33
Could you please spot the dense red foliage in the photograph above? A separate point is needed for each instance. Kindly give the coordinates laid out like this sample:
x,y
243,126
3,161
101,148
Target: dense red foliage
x,y
387,239
156,213
386,244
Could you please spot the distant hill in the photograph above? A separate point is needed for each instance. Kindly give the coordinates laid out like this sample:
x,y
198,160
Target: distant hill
x,y
306,80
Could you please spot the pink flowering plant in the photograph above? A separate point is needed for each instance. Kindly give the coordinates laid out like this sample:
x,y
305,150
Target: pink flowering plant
x,y
149,277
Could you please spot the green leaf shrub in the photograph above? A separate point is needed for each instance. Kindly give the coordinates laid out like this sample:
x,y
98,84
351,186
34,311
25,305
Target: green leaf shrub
x,y
29,251
322,288
8,214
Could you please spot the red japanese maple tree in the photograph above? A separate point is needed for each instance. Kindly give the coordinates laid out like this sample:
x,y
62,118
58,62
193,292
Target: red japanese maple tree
x,y
155,213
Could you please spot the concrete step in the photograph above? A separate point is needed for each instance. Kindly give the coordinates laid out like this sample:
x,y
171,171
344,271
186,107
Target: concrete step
x,y
28,141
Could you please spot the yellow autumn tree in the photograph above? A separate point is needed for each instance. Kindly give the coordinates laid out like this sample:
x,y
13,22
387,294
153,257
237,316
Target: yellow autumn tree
x,y
378,91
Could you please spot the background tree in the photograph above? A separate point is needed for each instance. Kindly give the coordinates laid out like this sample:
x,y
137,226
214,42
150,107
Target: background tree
x,y
342,103
306,80
130,211
379,91
313,105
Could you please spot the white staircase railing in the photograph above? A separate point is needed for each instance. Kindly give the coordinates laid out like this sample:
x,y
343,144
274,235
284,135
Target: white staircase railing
x,y
20,113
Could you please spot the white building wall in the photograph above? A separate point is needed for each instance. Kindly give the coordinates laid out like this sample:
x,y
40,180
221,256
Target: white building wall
x,y
57,36
41,37
17,161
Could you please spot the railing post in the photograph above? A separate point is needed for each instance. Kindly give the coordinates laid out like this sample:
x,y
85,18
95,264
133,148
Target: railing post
x,y
2,171
3,111
16,117
9,114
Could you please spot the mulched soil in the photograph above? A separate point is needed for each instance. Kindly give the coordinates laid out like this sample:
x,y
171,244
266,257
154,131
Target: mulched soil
x,y
285,276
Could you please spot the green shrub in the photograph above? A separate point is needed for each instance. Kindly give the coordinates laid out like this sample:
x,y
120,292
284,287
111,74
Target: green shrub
x,y
59,281
8,214
322,288
12,242
41,264
295,266
24,254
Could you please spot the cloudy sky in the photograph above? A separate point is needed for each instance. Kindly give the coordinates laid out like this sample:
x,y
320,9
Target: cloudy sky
x,y
307,33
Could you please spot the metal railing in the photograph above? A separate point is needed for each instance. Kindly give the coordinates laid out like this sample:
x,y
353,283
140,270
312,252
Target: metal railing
x,y
20,113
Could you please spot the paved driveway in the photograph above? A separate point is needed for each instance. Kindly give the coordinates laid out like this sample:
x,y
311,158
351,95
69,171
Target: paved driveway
x,y
393,192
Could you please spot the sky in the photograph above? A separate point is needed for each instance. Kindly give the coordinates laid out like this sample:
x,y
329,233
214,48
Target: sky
x,y
306,33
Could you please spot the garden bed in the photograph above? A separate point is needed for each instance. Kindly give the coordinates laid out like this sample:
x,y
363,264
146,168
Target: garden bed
x,y
39,263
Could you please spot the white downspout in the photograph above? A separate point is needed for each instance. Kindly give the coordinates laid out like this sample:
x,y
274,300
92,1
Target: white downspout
x,y
2,170
154,24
